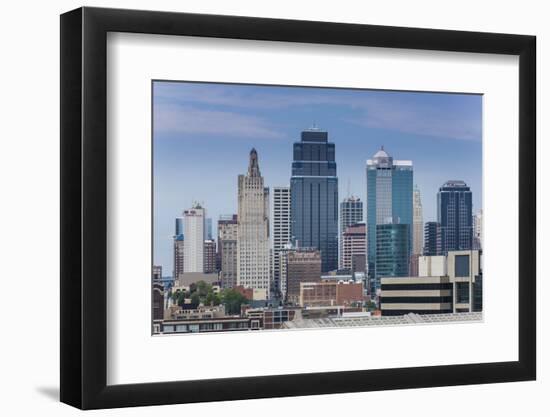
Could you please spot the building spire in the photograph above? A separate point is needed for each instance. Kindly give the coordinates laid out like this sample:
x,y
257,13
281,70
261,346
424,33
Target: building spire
x,y
253,166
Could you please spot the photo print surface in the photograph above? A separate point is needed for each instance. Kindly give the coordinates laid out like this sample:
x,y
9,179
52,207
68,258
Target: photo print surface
x,y
285,208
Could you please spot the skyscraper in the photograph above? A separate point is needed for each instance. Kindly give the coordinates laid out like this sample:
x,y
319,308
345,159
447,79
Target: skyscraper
x,y
281,230
209,256
478,230
389,203
208,225
454,214
432,239
418,223
253,269
227,250
177,270
351,212
314,196
392,250
193,245
353,248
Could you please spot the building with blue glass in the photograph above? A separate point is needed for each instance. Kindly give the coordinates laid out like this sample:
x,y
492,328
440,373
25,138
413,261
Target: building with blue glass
x,y
454,215
314,196
389,202
392,250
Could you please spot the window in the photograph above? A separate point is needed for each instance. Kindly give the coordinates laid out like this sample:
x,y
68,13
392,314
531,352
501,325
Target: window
x,y
462,266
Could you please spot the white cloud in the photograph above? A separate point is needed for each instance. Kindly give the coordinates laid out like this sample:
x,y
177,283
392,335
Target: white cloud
x,y
380,110
188,119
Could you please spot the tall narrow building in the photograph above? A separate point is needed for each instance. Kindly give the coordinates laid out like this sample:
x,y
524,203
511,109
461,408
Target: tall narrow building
x,y
209,256
454,214
478,230
193,245
281,231
253,267
314,196
432,239
418,223
177,270
353,248
389,202
351,212
227,250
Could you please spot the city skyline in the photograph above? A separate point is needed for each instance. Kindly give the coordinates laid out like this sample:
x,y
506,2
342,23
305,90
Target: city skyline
x,y
177,172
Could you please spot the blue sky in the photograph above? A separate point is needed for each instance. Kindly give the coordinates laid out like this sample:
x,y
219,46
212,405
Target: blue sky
x,y
203,133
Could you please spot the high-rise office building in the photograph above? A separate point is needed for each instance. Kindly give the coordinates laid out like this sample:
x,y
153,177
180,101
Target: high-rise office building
x,y
454,214
418,223
281,231
208,225
353,255
302,265
227,250
392,250
177,270
314,196
157,272
253,266
390,205
351,212
209,256
432,239
478,230
193,245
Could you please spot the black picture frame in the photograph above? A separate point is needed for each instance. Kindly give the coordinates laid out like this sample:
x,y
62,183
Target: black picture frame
x,y
84,207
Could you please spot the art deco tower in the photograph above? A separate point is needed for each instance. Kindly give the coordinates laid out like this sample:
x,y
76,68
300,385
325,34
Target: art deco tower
x,y
253,229
314,196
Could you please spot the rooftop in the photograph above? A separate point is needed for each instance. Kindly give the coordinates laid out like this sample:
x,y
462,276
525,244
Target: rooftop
x,y
408,319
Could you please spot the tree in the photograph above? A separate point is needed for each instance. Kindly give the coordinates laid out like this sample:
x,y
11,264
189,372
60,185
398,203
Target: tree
x,y
195,300
232,300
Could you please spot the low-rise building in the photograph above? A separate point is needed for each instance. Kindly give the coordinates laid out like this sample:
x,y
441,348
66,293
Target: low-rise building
x,y
331,293
447,284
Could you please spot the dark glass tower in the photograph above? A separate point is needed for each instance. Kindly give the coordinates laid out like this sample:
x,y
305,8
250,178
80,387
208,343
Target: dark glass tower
x,y
314,196
432,239
454,214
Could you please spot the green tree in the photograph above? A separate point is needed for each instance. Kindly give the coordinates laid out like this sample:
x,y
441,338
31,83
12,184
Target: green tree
x,y
195,300
232,300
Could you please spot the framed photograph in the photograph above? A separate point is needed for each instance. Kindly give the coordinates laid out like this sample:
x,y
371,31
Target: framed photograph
x,y
257,208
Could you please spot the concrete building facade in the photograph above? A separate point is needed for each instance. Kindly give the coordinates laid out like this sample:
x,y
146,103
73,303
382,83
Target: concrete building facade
x,y
418,223
302,265
193,245
281,231
351,212
353,255
253,260
227,250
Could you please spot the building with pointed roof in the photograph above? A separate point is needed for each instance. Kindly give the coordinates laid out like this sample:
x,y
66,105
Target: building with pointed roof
x,y
253,263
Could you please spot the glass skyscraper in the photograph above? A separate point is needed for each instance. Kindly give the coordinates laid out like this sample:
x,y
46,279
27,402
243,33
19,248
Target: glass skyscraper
x,y
389,201
314,196
392,250
454,214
